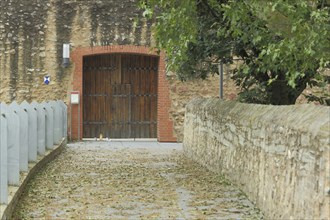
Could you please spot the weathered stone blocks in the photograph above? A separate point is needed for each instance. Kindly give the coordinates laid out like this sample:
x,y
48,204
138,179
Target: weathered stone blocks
x,y
279,155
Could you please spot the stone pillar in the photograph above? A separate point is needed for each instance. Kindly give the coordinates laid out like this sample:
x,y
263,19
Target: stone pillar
x,y
33,131
23,135
57,122
61,121
41,127
3,159
49,125
12,144
65,118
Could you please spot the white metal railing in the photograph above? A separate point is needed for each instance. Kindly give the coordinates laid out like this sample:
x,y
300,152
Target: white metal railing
x,y
27,130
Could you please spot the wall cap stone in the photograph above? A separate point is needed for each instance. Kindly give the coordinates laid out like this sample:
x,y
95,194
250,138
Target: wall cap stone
x,y
265,114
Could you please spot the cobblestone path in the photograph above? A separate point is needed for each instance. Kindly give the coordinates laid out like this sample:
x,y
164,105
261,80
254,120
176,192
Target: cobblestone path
x,y
130,180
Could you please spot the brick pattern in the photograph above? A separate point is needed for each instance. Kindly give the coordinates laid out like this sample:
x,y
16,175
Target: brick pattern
x,y
164,125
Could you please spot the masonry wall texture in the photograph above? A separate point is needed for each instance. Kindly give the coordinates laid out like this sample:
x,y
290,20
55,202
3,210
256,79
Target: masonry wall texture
x,y
278,155
32,33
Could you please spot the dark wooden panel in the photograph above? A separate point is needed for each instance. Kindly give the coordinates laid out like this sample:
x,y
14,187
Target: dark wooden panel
x,y
120,96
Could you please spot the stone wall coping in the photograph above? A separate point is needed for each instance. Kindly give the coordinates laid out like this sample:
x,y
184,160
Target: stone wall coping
x,y
254,114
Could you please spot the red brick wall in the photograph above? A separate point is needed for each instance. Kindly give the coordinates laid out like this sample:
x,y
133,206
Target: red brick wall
x,y
164,124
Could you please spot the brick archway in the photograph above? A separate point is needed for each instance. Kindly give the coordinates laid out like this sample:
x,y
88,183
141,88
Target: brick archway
x,y
164,124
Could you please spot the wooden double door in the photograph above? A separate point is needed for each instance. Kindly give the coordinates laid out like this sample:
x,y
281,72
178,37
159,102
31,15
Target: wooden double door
x,y
120,96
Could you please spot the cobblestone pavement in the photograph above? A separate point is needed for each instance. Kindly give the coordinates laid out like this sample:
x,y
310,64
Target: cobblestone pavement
x,y
130,180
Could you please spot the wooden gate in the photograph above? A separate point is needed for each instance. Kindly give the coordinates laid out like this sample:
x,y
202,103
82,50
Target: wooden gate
x,y
120,96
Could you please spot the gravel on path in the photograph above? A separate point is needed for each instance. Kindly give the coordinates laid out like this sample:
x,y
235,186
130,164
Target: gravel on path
x,y
130,180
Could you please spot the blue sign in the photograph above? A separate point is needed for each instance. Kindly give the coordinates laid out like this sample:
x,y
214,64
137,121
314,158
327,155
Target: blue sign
x,y
46,80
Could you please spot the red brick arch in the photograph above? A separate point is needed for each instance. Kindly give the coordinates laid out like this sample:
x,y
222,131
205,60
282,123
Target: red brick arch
x,y
164,124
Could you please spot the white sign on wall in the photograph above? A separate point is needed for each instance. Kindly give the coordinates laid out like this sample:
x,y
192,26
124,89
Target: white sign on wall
x,y
46,80
74,97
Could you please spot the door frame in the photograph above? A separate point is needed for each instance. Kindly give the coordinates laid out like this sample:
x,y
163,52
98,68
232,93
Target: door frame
x,y
164,122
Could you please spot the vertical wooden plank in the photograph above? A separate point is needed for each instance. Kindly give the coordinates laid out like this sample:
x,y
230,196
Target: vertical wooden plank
x,y
110,66
84,94
142,104
153,97
87,93
129,111
124,112
111,69
117,109
97,98
113,116
92,98
119,70
152,81
134,97
147,97
105,79
125,97
120,110
115,104
101,65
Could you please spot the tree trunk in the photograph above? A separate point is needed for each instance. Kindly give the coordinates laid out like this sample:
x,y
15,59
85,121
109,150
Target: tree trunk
x,y
281,93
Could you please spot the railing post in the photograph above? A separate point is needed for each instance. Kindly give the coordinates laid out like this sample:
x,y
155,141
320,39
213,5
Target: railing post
x,y
26,130
33,131
12,144
49,126
3,158
61,121
65,118
57,122
23,135
41,128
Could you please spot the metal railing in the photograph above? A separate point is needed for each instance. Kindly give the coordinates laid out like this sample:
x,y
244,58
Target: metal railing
x,y
26,131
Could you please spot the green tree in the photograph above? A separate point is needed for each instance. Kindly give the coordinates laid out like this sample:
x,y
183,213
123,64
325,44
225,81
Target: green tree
x,y
283,44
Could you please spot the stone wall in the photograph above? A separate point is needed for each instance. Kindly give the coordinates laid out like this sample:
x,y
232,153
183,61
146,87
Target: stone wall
x,y
278,155
32,33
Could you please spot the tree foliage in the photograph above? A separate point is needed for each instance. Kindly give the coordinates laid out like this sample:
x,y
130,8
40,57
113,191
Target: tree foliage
x,y
283,45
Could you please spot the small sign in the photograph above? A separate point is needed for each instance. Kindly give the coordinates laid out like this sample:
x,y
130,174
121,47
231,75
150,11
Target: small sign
x,y
74,97
46,80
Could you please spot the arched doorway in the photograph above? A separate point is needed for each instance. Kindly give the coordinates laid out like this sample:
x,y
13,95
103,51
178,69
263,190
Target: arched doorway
x,y
163,126
120,96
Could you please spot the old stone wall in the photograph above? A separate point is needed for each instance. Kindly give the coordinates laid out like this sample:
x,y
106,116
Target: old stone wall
x,y
32,33
278,155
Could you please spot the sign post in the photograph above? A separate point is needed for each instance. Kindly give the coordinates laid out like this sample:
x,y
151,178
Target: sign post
x,y
220,65
74,100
